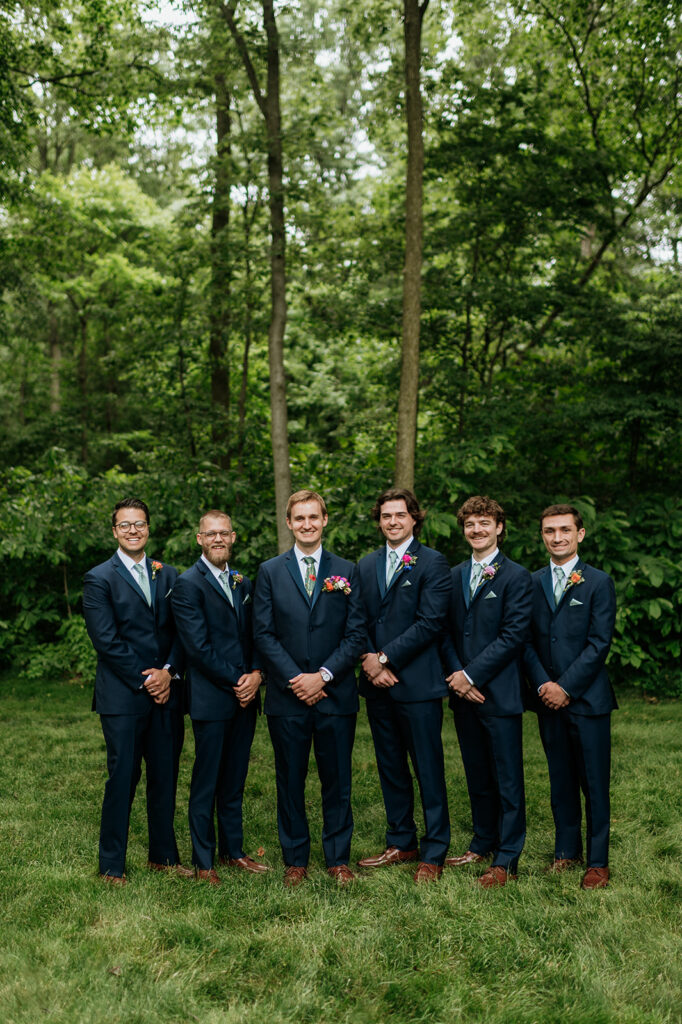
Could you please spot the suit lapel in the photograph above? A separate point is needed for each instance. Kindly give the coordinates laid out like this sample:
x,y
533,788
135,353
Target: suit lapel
x,y
126,575
547,587
401,573
484,583
465,576
568,590
212,581
381,570
321,575
152,582
295,573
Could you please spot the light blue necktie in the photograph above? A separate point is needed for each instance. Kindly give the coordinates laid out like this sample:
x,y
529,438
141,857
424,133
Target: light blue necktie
x,y
391,566
224,577
560,583
476,571
142,578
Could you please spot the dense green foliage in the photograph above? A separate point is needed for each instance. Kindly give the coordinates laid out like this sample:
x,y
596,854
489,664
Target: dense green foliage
x,y
166,951
551,328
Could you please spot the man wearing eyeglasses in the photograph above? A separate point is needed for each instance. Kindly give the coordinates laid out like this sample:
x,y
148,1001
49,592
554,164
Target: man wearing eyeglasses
x,y
127,609
212,607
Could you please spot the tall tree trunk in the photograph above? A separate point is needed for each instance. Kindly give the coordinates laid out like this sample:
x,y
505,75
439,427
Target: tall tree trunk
x,y
406,440
55,363
269,105
219,314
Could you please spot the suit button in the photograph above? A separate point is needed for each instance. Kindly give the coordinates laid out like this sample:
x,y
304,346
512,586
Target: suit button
x,y
553,639
380,620
467,634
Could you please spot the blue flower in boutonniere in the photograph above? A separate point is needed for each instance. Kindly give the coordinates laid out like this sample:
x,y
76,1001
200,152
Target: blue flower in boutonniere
x,y
235,578
336,583
156,567
407,562
574,579
489,573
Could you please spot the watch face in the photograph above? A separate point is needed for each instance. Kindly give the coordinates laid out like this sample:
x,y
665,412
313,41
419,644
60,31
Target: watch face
x,y
382,659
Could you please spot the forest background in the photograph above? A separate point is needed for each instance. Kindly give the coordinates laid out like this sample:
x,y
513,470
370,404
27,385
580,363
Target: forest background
x,y
249,247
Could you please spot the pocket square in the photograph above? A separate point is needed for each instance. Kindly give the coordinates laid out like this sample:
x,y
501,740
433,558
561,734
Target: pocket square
x,y
168,594
406,584
574,603
490,594
246,599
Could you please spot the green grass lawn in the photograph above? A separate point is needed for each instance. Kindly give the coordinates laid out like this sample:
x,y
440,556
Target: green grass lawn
x,y
165,949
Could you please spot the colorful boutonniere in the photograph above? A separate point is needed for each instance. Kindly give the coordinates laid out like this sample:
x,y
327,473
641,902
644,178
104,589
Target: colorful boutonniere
x,y
407,562
574,579
235,578
336,583
489,573
156,567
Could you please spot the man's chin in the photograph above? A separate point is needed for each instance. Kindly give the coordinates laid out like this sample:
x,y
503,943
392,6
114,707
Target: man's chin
x,y
217,558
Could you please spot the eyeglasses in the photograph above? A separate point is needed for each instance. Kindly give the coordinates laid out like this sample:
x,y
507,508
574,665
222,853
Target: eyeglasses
x,y
140,525
212,534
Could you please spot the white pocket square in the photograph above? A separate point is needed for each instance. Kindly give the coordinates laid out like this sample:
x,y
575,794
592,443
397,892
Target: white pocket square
x,y
574,603
490,594
169,593
406,584
246,599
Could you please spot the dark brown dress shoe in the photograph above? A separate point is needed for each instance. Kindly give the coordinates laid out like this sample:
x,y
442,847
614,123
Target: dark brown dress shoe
x,y
390,856
246,863
494,877
114,879
560,864
427,872
294,875
171,869
342,873
209,875
467,858
595,878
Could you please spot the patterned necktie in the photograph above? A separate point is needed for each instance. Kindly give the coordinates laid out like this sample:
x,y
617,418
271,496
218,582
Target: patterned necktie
x,y
476,571
142,578
559,585
309,574
224,577
390,567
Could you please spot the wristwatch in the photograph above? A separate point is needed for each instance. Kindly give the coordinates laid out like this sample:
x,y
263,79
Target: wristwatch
x,y
383,658
326,675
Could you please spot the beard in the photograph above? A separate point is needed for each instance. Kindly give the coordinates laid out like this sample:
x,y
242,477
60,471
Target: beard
x,y
218,557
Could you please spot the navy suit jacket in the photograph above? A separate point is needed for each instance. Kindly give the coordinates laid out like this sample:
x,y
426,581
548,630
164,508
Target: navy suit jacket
x,y
216,637
487,633
295,633
129,635
406,621
569,643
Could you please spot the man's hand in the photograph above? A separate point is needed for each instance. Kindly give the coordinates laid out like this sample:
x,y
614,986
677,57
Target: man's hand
x,y
157,684
553,697
460,685
247,687
377,673
308,687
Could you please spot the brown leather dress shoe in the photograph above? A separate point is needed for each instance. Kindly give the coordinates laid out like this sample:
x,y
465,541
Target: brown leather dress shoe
x,y
560,864
114,879
595,878
246,863
494,877
209,875
342,873
171,869
392,855
467,858
294,875
427,872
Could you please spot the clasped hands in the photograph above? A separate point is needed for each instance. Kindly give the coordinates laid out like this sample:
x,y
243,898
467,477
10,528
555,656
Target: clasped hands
x,y
157,684
462,686
378,674
247,686
552,696
308,687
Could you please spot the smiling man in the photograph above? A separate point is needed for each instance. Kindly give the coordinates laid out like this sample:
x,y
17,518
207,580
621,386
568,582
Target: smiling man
x,y
309,631
127,609
574,612
212,606
406,590
488,626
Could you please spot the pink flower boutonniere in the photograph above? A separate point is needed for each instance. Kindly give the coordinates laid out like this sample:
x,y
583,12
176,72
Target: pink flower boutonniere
x,y
336,583
574,579
407,562
235,578
489,573
156,567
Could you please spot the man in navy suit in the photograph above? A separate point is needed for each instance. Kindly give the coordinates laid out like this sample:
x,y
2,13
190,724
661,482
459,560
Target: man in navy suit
x,y
127,609
487,629
212,607
574,612
309,632
406,589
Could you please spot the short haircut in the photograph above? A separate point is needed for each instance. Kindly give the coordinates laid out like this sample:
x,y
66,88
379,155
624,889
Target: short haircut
x,y
301,496
482,505
400,494
129,503
214,513
562,510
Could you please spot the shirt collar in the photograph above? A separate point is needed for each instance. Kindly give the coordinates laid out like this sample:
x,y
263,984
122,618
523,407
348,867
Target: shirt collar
x,y
129,562
300,555
401,550
214,568
568,567
487,560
